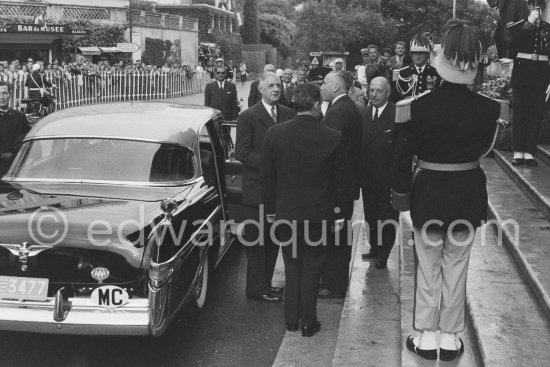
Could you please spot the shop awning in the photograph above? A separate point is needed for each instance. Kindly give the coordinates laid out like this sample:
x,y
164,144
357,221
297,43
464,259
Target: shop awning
x,y
109,50
89,51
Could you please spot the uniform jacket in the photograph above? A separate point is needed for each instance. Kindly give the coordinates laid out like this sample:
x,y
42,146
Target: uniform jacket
x,y
254,96
530,39
224,100
450,125
252,125
13,128
410,83
377,149
307,188
344,116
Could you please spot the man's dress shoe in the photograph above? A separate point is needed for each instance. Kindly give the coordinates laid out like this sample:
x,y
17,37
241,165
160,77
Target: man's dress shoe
x,y
310,330
430,354
530,162
271,298
381,264
518,162
276,290
325,293
449,355
369,256
291,327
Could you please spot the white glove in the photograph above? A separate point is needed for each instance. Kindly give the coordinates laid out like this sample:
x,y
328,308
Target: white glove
x,y
534,16
270,218
406,220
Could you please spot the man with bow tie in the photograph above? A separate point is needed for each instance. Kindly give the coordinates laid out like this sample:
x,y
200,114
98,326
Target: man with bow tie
x,y
376,166
221,94
261,251
420,76
13,127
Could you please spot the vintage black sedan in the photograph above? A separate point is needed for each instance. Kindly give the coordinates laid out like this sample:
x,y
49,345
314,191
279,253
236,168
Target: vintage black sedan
x,y
112,216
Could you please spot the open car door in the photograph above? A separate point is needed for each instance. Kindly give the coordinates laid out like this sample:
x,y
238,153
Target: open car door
x,y
233,174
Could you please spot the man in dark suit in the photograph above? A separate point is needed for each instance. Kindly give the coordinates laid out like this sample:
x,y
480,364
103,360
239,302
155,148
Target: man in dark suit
x,y
255,96
376,168
222,95
343,116
303,192
252,125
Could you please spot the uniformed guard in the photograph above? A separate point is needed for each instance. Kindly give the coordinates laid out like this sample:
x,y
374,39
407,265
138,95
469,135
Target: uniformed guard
x,y
13,127
36,83
449,129
420,76
530,80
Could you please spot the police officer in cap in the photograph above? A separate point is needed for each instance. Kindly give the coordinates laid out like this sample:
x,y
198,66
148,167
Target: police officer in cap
x,y
13,127
420,76
530,81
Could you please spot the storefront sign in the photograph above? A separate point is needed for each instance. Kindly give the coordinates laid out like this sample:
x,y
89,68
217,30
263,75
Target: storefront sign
x,y
44,29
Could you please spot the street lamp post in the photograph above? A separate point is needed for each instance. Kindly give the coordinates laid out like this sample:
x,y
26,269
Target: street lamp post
x,y
454,8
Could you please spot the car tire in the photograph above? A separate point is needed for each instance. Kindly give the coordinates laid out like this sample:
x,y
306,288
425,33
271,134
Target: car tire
x,y
200,293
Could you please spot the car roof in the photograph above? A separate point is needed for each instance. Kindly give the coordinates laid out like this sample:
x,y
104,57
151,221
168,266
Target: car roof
x,y
150,121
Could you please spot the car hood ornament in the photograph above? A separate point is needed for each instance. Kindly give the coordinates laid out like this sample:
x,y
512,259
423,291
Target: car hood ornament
x,y
24,251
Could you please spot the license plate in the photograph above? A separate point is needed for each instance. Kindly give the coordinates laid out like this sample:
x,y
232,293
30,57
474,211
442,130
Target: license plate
x,y
31,289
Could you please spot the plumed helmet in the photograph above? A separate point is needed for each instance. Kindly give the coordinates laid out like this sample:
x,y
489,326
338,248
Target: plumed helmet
x,y
36,67
462,48
420,43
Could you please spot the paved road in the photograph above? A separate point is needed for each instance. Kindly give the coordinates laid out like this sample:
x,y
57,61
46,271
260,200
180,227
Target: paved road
x,y
230,331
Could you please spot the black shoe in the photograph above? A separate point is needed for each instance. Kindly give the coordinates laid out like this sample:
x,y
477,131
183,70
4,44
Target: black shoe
x,y
276,290
291,327
369,256
430,354
311,330
271,298
449,355
381,264
325,293
530,162
518,162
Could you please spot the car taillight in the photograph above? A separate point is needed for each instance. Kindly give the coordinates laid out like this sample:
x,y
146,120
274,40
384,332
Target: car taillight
x,y
159,274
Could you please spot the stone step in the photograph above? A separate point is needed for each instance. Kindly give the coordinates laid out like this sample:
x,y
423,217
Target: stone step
x,y
534,181
523,228
510,327
543,153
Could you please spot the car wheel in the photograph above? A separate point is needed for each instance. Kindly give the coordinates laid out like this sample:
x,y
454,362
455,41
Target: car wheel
x,y
200,293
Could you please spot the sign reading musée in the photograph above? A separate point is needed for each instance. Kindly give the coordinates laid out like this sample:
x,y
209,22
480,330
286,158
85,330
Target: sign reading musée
x,y
40,42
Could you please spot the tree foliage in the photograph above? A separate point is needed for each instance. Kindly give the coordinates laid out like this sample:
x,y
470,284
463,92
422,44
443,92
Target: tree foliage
x,y
250,30
278,31
276,7
327,26
230,44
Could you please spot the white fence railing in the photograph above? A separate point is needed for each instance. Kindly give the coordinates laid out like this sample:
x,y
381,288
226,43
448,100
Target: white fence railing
x,y
77,90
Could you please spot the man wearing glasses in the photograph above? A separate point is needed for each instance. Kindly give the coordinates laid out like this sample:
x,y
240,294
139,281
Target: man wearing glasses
x,y
221,94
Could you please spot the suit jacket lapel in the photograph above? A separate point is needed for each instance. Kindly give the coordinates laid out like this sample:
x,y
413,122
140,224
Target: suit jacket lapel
x,y
264,116
378,127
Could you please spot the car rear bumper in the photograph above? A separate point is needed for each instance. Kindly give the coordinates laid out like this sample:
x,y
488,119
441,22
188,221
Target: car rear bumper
x,y
83,317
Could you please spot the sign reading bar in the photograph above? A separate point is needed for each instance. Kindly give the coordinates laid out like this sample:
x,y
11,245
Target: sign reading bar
x,y
44,29
127,47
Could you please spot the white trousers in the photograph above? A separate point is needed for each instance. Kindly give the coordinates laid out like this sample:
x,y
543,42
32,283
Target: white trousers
x,y
442,268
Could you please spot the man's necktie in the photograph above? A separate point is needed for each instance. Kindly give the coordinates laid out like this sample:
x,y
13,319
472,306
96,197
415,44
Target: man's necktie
x,y
221,86
274,113
420,70
375,118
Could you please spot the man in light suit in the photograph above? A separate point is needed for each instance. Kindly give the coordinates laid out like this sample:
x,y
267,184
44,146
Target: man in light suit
x,y
376,167
252,126
343,116
306,191
221,94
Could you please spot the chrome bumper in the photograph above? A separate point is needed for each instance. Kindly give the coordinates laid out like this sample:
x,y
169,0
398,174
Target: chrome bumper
x,y
83,318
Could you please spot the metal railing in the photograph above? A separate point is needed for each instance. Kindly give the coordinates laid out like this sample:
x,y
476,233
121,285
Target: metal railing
x,y
75,90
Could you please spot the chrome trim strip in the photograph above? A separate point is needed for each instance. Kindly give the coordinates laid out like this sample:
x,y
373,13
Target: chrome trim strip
x,y
106,182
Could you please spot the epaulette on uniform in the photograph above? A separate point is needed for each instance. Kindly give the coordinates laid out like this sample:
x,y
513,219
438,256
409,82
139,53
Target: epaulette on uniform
x,y
513,24
403,108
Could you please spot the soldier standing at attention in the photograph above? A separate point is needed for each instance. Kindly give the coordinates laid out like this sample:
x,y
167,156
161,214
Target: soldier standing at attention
x,y
530,82
418,77
449,130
